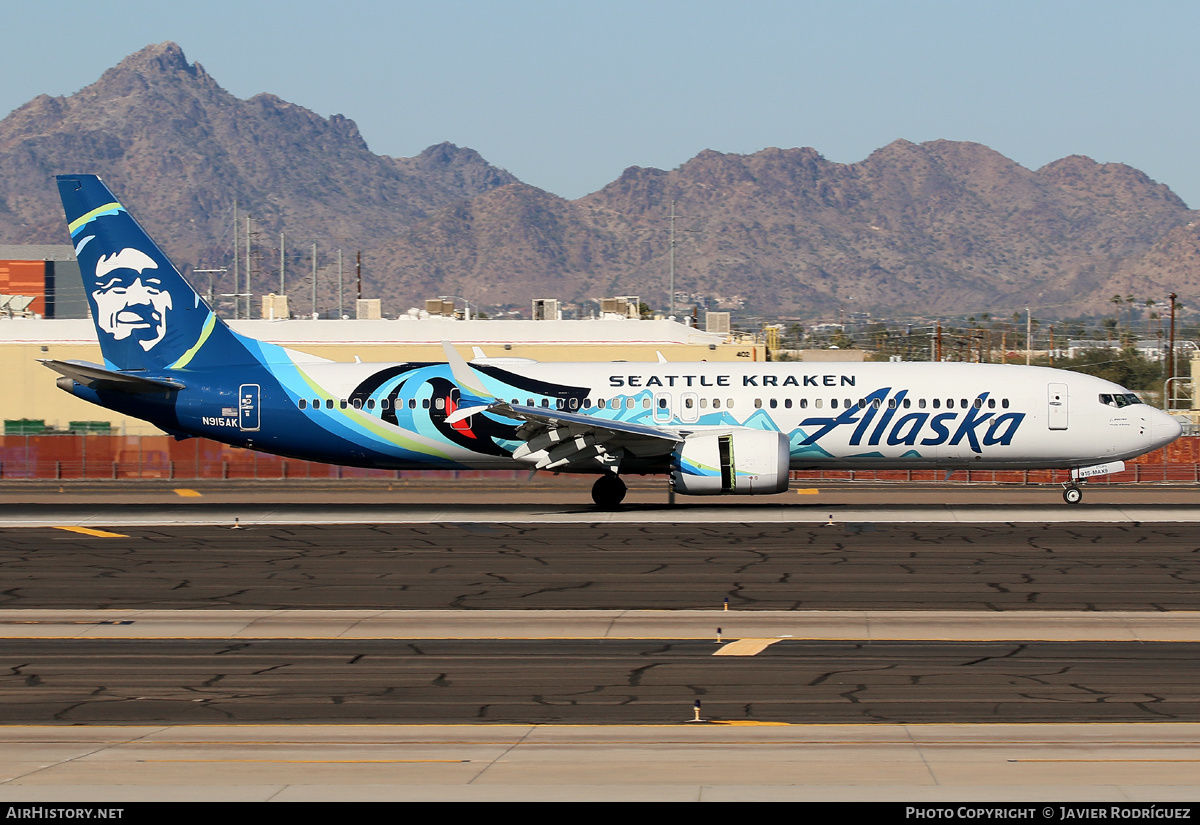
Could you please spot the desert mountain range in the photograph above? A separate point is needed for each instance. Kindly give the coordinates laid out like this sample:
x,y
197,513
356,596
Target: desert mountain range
x,y
914,230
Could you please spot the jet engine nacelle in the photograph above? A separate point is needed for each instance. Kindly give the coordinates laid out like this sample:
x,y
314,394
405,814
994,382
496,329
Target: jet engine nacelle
x,y
739,462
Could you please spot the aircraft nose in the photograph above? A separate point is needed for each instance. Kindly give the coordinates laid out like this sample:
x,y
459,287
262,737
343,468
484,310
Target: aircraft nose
x,y
1164,428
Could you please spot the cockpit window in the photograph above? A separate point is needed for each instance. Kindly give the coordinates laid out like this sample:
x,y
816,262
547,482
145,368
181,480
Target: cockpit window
x,y
1119,399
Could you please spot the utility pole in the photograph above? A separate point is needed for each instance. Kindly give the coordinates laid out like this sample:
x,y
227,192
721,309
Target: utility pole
x,y
236,277
1171,349
248,222
341,312
358,273
671,301
282,261
314,282
1028,337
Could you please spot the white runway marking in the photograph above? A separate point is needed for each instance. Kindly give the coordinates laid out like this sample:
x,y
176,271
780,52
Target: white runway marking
x,y
761,627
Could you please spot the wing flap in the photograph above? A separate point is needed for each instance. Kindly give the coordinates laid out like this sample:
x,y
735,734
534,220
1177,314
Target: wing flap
x,y
582,423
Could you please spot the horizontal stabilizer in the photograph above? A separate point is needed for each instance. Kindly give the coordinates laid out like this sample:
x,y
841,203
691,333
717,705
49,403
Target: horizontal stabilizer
x,y
97,377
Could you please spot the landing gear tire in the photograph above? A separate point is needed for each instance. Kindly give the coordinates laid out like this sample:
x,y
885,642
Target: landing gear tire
x,y
608,491
1072,495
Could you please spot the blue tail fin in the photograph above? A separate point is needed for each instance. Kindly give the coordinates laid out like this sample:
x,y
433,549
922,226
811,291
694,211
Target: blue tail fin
x,y
147,316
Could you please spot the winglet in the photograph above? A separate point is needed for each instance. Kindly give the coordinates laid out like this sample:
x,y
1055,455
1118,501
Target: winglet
x,y
466,378
473,396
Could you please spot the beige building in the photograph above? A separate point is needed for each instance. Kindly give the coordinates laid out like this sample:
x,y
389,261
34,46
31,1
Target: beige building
x,y
32,392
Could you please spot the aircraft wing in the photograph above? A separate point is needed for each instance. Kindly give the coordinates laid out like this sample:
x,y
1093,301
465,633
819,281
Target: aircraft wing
x,y
99,378
557,438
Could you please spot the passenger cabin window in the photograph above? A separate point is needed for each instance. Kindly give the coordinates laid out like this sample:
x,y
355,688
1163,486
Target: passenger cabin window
x,y
303,402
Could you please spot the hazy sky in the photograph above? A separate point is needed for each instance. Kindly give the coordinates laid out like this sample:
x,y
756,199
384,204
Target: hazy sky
x,y
565,95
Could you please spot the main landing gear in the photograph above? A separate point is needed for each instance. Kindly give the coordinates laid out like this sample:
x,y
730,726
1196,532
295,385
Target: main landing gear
x,y
608,491
1072,494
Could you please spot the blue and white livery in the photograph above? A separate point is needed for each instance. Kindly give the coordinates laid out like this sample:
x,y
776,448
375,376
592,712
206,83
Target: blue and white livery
x,y
714,428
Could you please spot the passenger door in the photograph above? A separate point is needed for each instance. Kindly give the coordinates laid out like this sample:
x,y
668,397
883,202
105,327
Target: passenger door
x,y
1057,406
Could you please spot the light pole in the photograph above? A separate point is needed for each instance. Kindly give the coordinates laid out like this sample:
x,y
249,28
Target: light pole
x,y
466,304
210,273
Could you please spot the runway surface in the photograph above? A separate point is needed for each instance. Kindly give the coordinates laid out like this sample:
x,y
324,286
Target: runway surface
x,y
251,514
592,682
1128,765
546,566
130,642
566,500
1002,763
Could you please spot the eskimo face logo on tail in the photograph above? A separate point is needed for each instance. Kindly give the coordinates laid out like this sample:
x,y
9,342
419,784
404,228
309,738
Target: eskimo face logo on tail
x,y
130,300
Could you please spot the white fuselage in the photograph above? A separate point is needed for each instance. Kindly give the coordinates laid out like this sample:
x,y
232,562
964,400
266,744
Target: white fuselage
x,y
870,415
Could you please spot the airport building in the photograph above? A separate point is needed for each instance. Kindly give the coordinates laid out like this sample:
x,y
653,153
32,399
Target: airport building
x,y
40,281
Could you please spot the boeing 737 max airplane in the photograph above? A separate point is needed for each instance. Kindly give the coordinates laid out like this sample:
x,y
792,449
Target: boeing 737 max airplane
x,y
714,428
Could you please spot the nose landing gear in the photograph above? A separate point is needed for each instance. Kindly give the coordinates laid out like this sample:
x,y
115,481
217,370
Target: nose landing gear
x,y
1072,494
608,491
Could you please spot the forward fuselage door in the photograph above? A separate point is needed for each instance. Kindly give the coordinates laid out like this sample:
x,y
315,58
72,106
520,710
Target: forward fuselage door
x,y
1058,409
